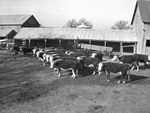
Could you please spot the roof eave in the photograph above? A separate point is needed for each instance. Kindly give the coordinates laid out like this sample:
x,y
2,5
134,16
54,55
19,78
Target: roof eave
x,y
134,12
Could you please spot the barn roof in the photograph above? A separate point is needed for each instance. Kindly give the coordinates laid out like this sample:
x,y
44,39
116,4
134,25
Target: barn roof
x,y
74,33
144,7
13,19
4,33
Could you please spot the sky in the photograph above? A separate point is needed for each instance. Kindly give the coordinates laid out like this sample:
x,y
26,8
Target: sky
x,y
56,13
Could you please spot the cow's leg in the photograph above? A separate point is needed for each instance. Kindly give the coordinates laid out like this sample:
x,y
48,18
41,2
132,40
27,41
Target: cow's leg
x,y
108,76
121,77
93,73
99,72
59,72
145,64
73,73
43,61
137,65
129,79
76,71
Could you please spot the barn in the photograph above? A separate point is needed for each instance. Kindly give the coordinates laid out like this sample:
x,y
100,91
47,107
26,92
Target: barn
x,y
120,40
7,35
16,22
141,25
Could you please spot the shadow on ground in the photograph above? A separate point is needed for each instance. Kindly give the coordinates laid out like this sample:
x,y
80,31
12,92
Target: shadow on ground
x,y
137,79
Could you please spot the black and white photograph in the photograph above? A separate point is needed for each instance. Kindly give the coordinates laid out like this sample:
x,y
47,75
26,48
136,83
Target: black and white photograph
x,y
74,56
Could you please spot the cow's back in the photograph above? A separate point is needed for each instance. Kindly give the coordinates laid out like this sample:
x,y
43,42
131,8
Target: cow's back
x,y
128,59
115,67
141,57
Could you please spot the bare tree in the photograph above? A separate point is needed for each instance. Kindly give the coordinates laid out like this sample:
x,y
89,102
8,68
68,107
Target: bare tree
x,y
71,23
121,25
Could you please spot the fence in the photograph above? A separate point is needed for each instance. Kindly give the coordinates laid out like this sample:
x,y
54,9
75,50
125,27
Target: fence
x,y
96,47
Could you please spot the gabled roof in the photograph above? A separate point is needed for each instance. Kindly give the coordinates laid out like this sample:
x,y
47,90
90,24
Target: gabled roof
x,y
144,7
4,33
74,33
13,19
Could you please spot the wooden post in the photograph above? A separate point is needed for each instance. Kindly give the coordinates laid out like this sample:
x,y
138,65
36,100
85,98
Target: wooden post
x,y
121,48
105,43
135,48
29,42
59,42
90,41
45,42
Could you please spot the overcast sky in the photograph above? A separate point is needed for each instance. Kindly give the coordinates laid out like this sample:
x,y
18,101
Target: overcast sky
x,y
55,13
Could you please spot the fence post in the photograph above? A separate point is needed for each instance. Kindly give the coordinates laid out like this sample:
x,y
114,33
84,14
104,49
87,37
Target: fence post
x,y
121,48
59,43
45,42
135,48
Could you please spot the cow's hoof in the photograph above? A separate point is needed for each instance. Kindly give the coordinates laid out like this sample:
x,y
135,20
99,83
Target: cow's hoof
x,y
73,77
119,81
58,75
129,79
108,80
93,73
124,82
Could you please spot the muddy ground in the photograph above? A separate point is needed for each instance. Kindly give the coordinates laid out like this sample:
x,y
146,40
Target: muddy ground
x,y
26,86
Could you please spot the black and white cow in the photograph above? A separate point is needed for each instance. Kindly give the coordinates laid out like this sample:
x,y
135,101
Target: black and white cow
x,y
111,67
35,50
41,56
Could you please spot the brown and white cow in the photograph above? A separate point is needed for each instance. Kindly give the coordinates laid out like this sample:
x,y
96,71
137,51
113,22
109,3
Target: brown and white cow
x,y
111,67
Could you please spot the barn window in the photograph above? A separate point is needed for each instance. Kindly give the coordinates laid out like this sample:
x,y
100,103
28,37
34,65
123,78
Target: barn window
x,y
100,43
114,45
147,43
128,47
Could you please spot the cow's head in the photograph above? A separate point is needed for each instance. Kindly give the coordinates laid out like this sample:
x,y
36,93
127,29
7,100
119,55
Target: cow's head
x,y
115,58
93,55
101,67
53,63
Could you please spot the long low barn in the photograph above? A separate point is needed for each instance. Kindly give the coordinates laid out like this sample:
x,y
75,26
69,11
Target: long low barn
x,y
119,40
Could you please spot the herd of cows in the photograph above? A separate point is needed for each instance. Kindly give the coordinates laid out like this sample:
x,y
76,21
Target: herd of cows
x,y
81,60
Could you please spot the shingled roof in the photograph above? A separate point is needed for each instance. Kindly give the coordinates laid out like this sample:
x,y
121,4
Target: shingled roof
x,y
144,7
13,19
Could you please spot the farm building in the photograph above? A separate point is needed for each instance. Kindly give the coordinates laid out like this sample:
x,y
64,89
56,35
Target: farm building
x,y
141,25
7,35
120,41
17,22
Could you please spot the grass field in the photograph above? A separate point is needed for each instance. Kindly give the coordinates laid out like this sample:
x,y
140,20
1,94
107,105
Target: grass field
x,y
26,86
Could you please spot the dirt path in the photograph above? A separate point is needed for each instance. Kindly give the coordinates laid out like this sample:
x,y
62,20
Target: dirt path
x,y
26,86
